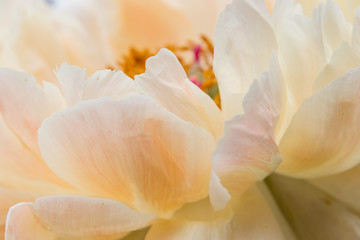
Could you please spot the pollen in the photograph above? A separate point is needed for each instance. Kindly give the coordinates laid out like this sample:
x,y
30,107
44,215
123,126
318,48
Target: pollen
x,y
196,57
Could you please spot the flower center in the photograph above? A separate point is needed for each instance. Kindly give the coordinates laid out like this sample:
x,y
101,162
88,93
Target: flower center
x,y
196,57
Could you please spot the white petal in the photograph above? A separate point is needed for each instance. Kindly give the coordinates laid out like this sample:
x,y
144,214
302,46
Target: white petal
x,y
130,150
324,135
166,81
76,86
247,152
244,42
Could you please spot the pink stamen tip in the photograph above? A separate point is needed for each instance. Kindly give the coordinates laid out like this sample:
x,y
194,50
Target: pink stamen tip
x,y
197,50
195,80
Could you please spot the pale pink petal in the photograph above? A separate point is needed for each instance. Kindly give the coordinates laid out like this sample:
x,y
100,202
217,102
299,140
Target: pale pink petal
x,y
24,105
21,224
76,86
73,217
312,213
131,150
324,135
166,81
247,152
244,42
10,197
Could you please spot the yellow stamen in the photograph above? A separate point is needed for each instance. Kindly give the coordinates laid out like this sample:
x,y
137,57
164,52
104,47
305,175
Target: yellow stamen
x,y
195,57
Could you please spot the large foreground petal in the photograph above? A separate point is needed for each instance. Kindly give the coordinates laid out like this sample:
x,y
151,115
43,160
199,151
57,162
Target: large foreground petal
x,y
131,150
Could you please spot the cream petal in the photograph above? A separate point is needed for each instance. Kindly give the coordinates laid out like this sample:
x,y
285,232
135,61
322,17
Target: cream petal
x,y
24,105
175,230
343,59
244,42
323,137
72,80
312,213
166,81
343,186
255,217
334,25
76,86
356,31
74,217
247,152
21,224
301,52
130,150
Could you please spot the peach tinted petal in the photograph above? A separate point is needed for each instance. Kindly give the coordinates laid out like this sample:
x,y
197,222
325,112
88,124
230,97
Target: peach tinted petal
x,y
323,137
241,53
130,150
166,81
73,217
247,152
21,224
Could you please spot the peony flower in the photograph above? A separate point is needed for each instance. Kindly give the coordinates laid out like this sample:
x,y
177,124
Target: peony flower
x,y
318,131
151,155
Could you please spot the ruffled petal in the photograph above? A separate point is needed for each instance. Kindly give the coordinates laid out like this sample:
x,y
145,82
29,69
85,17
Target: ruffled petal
x,y
324,135
247,152
166,81
131,150
244,42
343,59
76,86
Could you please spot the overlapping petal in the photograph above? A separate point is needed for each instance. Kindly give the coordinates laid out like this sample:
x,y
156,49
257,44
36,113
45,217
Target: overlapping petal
x,y
240,52
166,81
141,155
323,137
77,87
247,152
